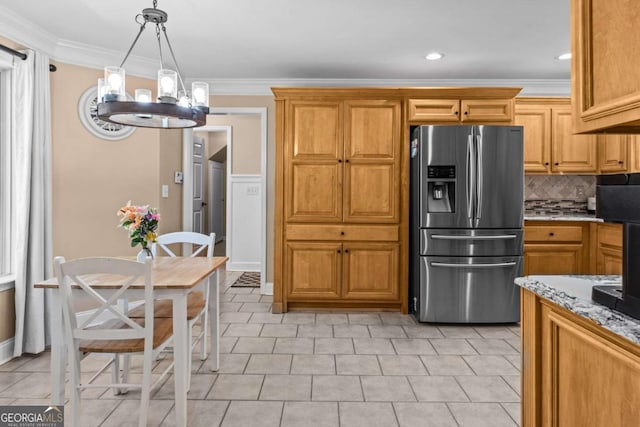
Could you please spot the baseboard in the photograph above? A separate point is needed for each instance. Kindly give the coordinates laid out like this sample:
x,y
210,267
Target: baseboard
x,y
243,266
267,289
6,350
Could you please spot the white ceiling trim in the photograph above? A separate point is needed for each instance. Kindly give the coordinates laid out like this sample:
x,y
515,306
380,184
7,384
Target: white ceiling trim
x,y
26,33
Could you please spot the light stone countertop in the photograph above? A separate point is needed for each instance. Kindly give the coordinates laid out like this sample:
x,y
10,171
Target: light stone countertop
x,y
574,294
560,217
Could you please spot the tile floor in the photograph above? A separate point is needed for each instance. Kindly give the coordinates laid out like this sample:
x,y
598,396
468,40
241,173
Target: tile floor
x,y
317,369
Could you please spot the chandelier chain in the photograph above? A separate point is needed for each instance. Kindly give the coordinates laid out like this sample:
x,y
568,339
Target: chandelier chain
x,y
155,4
159,46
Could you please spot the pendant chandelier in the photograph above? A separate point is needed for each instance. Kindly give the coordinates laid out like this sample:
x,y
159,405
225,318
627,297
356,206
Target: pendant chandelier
x,y
174,108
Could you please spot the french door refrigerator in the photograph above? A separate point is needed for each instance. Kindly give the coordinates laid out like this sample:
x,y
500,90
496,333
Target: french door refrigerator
x,y
466,223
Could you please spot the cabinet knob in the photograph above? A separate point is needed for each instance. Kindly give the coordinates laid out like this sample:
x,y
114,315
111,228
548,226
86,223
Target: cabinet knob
x,y
551,234
546,163
456,112
346,251
342,233
347,160
338,251
557,164
466,113
620,162
339,160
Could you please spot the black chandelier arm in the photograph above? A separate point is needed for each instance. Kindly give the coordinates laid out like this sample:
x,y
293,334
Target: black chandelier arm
x,y
142,27
173,56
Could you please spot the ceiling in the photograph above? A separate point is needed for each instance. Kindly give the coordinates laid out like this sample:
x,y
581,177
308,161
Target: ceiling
x,y
329,39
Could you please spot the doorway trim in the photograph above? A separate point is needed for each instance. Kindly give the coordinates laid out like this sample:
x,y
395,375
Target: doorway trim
x,y
187,190
211,166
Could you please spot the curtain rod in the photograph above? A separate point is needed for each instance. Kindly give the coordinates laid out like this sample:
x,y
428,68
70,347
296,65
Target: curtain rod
x,y
23,56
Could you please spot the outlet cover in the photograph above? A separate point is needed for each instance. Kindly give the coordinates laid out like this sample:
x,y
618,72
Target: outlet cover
x,y
253,190
177,178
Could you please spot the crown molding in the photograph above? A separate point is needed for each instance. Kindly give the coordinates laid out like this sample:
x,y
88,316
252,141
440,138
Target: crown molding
x,y
530,87
24,32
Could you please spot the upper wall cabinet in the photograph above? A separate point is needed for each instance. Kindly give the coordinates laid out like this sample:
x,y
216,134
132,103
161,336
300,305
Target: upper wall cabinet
x,y
605,83
549,145
461,111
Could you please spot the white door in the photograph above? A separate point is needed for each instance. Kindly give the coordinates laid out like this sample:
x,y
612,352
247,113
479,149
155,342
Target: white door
x,y
216,199
198,185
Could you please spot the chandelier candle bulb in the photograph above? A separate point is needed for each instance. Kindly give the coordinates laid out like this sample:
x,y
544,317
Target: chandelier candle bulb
x,y
143,95
167,86
114,78
200,92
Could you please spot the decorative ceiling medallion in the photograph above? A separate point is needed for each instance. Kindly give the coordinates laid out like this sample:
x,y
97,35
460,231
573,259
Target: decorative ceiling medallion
x,y
88,113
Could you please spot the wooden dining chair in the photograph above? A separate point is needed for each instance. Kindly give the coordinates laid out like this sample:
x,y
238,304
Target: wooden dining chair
x,y
197,301
80,280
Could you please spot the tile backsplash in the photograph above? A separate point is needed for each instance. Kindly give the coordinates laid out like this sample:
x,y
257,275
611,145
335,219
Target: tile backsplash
x,y
556,187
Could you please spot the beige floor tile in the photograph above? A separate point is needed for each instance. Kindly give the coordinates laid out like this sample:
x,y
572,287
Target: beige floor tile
x,y
256,307
446,346
254,345
515,343
33,386
238,290
424,415
492,346
227,343
244,414
307,414
299,318
487,389
418,346
397,319
229,364
334,388
481,415
459,332
364,319
423,331
286,387
241,387
230,307
315,331
200,387
387,389
246,298
313,364
495,332
513,409
93,412
373,346
369,414
7,379
37,364
16,363
234,317
127,413
387,331
334,346
277,330
401,365
437,389
513,381
294,346
357,365
515,359
350,331
268,364
266,318
331,319
243,330
201,413
490,365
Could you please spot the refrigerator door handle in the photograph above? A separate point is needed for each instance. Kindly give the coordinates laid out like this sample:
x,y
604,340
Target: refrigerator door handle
x,y
471,177
479,174
454,265
496,237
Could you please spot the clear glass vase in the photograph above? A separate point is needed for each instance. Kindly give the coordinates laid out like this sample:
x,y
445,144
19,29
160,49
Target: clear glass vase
x,y
143,254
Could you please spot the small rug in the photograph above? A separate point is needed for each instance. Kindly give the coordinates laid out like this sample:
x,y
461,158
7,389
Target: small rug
x,y
249,279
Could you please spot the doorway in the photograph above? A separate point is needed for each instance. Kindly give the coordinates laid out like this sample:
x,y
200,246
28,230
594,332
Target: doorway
x,y
244,221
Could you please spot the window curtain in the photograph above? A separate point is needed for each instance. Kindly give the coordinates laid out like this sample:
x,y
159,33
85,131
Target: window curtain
x,y
31,163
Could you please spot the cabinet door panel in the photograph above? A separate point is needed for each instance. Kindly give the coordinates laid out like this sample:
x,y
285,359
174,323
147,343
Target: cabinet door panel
x,y
372,130
609,261
571,153
371,193
313,270
434,110
537,137
315,131
371,271
553,259
612,153
487,110
314,193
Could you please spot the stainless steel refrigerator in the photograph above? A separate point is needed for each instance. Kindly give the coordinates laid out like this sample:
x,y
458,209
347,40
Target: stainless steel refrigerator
x,y
466,223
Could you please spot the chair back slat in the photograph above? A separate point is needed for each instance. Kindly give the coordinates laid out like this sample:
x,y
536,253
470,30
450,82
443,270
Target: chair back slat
x,y
202,240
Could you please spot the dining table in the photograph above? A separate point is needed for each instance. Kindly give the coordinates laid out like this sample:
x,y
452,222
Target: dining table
x,y
173,278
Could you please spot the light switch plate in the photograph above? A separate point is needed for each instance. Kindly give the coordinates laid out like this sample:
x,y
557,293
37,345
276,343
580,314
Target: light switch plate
x,y
178,178
165,191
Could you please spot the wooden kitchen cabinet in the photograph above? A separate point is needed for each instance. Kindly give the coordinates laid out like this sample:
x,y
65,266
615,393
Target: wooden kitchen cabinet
x,y
556,247
575,372
370,271
613,153
609,249
461,110
605,43
314,270
549,145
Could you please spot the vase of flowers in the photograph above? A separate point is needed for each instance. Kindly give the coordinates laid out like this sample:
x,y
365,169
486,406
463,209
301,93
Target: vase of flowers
x,y
142,223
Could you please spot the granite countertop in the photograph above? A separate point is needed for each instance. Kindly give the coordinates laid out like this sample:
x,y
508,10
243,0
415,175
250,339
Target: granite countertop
x,y
562,217
574,294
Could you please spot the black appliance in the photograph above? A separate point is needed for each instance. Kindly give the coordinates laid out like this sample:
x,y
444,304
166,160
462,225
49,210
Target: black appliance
x,y
618,200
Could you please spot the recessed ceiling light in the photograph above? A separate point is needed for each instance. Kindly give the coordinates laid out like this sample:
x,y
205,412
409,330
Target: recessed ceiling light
x,y
564,56
433,56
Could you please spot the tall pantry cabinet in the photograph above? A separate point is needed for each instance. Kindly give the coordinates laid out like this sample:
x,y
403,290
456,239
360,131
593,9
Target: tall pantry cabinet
x,y
338,170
